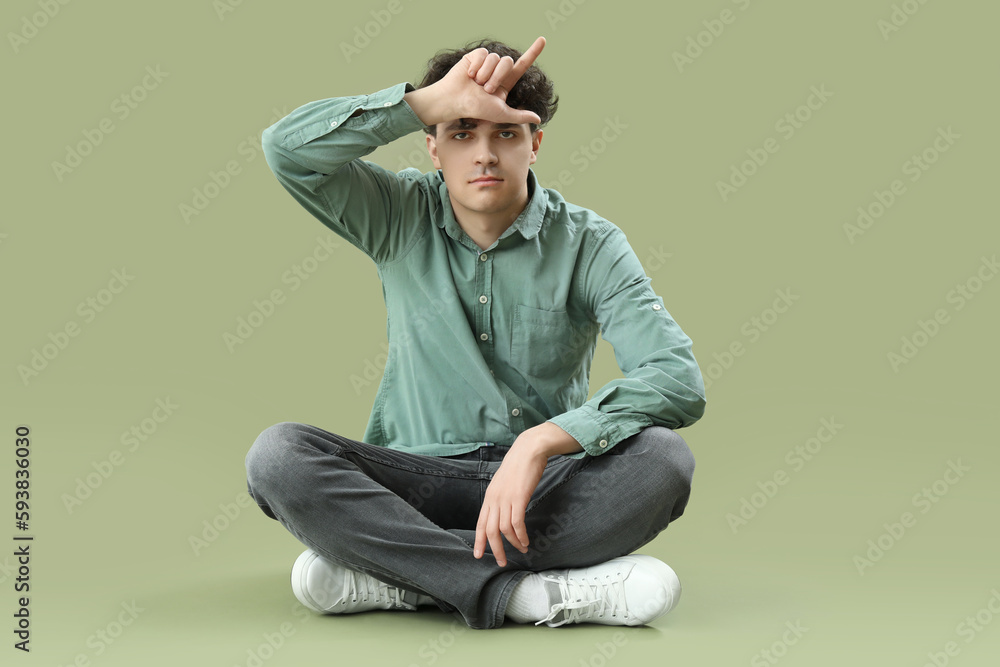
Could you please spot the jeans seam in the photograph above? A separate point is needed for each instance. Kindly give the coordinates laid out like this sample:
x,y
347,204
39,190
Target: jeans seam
x,y
504,598
532,505
343,562
398,466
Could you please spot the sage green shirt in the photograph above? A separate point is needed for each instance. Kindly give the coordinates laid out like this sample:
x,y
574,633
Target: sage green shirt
x,y
484,344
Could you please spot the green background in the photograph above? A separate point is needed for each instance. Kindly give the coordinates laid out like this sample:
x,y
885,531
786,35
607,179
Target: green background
x,y
226,75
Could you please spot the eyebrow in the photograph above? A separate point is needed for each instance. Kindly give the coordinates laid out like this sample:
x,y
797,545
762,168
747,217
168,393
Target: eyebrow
x,y
469,124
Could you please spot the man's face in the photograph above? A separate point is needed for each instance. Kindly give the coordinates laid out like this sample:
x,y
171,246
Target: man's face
x,y
467,149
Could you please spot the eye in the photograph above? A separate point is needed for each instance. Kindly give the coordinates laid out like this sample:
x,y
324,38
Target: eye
x,y
455,136
510,132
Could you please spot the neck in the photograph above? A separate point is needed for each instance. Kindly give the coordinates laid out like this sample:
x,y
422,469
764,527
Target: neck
x,y
486,227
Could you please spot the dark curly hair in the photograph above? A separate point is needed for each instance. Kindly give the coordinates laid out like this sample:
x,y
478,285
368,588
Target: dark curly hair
x,y
533,91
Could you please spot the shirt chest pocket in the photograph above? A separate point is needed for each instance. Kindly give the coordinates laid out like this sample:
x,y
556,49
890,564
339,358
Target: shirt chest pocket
x,y
544,343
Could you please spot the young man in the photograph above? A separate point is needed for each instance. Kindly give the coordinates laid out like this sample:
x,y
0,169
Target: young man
x,y
496,289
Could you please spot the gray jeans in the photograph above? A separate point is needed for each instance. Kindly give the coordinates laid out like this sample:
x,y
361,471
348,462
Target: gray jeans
x,y
410,520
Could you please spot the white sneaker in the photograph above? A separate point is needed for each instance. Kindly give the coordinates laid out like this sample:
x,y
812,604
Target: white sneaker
x,y
630,590
329,588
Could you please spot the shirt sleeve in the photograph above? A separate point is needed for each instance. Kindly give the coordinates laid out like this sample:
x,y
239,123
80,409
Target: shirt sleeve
x,y
663,384
315,154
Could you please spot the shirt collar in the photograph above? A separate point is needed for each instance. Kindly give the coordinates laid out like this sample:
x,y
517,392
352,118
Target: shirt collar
x,y
528,223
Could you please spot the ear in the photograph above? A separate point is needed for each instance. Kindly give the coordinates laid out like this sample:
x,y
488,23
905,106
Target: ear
x,y
536,142
432,151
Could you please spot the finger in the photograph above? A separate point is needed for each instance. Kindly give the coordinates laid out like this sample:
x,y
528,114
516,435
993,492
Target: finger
x,y
480,544
506,528
517,523
500,73
474,59
496,544
486,69
526,60
496,541
518,116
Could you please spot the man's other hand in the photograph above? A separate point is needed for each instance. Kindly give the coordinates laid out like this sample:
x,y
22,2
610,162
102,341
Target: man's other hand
x,y
507,497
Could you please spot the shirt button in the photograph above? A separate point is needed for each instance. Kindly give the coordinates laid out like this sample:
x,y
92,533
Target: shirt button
x,y
515,412
483,336
603,443
387,104
333,123
482,299
491,371
482,257
656,306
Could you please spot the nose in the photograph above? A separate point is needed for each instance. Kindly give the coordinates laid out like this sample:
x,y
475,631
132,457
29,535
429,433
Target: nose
x,y
485,154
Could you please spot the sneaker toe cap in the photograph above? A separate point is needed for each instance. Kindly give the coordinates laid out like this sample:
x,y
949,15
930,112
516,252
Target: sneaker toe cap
x,y
653,589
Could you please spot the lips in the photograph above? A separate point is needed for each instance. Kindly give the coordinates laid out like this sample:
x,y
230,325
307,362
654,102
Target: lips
x,y
487,179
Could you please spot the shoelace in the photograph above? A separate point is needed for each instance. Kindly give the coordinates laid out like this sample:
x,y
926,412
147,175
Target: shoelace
x,y
587,597
368,586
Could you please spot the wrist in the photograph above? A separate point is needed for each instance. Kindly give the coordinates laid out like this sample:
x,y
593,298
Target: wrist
x,y
550,439
426,104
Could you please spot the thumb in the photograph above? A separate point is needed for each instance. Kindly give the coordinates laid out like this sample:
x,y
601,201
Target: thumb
x,y
518,116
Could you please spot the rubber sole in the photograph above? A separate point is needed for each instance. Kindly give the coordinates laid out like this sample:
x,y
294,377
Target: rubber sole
x,y
299,569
